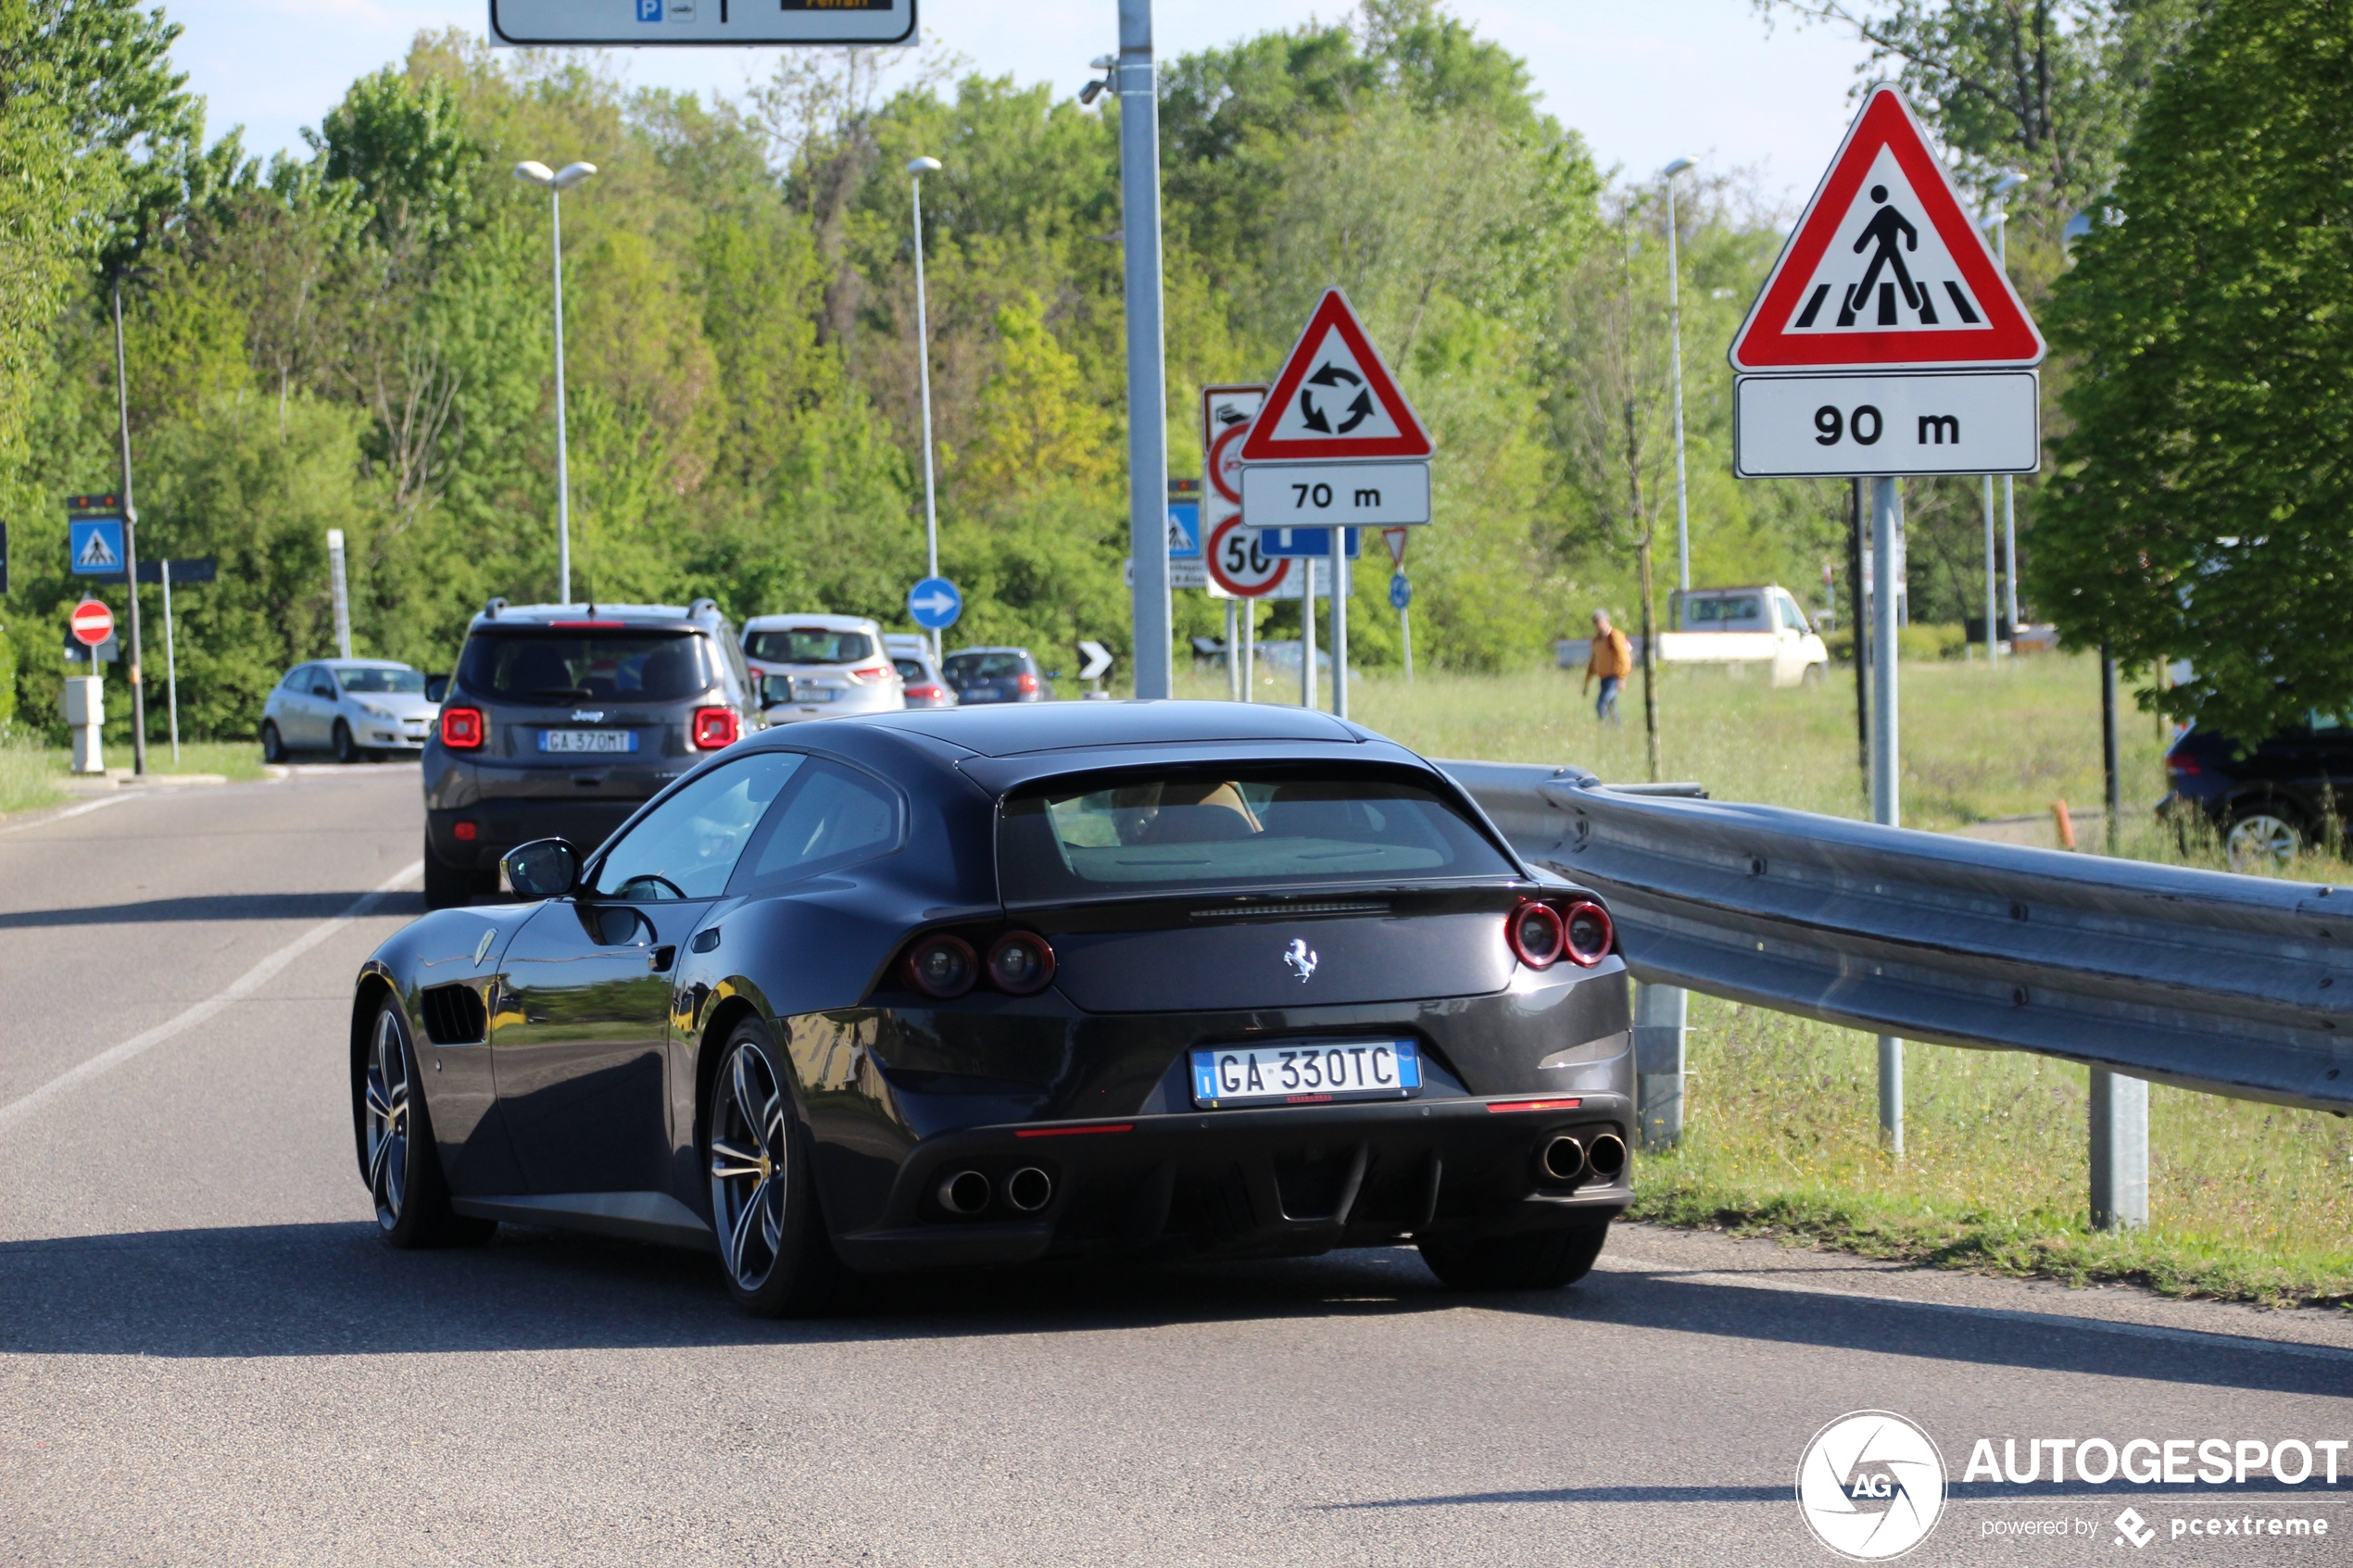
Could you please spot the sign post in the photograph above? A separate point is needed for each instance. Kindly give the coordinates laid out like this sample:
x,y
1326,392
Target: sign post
x,y
1337,446
1887,341
1226,413
1400,593
92,625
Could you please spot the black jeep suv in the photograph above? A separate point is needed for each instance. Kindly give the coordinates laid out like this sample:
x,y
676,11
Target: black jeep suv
x,y
561,720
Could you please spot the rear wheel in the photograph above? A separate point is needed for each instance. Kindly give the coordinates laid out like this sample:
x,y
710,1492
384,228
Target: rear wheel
x,y
446,886
1543,1261
346,750
273,745
773,1246
2263,836
403,1170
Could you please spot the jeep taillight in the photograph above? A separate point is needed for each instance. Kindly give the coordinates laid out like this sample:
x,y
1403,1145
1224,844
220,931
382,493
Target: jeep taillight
x,y
717,727
1026,682
463,729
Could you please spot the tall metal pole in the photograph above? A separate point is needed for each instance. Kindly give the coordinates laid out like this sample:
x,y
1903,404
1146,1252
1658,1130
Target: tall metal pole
x,y
1675,331
130,542
1339,623
1249,650
1233,655
171,663
923,363
563,475
1146,387
2108,751
1859,593
2009,484
1887,523
1993,631
1307,635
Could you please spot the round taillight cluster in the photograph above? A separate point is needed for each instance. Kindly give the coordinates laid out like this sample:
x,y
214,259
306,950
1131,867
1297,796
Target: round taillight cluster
x,y
1541,934
942,966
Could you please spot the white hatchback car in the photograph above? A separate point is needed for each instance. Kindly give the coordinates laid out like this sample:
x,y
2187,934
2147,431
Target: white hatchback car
x,y
358,709
820,666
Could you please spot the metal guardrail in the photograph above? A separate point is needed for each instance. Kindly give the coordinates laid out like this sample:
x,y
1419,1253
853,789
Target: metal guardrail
x,y
2228,984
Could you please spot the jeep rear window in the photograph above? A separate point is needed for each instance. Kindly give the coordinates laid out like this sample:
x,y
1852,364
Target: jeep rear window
x,y
1261,830
521,665
809,645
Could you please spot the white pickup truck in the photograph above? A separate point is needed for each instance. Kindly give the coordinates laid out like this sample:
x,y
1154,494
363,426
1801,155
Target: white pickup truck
x,y
1734,626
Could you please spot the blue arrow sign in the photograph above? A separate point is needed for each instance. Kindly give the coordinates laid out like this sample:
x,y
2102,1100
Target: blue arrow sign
x,y
1305,542
95,544
1400,593
935,603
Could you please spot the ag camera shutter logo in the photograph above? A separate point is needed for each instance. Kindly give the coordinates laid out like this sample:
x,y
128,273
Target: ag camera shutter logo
x,y
1872,1485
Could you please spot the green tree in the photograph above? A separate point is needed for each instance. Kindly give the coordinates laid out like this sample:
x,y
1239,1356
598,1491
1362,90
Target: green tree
x,y
2200,508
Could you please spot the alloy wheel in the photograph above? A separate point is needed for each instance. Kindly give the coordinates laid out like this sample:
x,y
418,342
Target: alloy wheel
x,y
387,1094
2262,838
748,1161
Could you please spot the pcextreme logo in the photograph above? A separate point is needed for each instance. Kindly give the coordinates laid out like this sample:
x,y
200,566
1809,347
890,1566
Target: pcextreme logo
x,y
1871,1484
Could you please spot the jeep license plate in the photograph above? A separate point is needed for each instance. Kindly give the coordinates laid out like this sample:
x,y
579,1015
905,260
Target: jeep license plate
x,y
588,740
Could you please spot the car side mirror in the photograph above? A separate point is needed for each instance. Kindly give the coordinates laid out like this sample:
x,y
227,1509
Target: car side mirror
x,y
546,868
436,687
326,689
774,689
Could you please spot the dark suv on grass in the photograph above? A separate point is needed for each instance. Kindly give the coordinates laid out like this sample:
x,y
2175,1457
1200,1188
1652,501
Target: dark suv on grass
x,y
2268,802
561,720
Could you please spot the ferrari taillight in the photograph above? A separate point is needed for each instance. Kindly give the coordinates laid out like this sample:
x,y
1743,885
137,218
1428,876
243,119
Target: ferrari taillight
x,y
717,727
1590,935
1535,933
1021,963
463,729
942,966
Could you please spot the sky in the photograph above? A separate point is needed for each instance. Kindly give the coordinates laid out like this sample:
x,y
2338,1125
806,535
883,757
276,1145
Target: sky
x,y
1645,82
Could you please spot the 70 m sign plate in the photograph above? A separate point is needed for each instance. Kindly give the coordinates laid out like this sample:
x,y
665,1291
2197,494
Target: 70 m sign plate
x,y
1335,494
1895,424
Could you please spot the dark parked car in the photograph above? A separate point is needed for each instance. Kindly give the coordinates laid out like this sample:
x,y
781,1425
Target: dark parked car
x,y
979,986
561,720
2271,801
982,675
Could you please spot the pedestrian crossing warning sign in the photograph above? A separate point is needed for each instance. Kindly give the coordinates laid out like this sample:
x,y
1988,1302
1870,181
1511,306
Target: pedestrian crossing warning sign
x,y
1885,270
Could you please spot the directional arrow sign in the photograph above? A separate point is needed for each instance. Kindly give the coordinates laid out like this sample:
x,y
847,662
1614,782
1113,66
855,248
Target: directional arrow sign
x,y
1098,661
935,603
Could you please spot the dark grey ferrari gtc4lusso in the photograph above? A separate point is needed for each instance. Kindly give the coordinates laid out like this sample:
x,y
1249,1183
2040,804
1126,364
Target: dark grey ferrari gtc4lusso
x,y
977,986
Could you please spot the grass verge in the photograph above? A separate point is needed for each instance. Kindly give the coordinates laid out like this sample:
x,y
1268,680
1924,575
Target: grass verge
x,y
28,776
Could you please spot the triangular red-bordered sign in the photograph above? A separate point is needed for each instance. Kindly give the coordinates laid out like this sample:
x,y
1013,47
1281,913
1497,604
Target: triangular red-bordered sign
x,y
1334,398
1885,270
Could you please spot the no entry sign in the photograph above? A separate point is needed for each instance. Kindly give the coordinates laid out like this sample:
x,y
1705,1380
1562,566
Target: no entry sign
x,y
93,624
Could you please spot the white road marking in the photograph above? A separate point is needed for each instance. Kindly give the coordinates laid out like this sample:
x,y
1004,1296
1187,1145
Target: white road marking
x,y
98,805
237,990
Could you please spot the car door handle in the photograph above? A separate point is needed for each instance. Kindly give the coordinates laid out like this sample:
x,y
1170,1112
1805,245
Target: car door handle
x,y
662,957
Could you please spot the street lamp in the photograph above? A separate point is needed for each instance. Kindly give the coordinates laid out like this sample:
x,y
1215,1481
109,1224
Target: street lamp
x,y
2000,220
917,169
557,183
1674,329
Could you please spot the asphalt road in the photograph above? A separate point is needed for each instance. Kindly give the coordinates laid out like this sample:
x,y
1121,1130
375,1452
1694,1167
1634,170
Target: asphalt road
x,y
207,1356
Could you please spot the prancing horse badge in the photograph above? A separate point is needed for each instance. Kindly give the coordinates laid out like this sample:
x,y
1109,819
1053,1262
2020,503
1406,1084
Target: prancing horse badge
x,y
1302,960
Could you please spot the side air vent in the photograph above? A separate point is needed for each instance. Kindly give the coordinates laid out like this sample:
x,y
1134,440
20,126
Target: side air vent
x,y
454,1015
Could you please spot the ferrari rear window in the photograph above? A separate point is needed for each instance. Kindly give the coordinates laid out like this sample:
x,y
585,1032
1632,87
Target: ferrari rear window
x,y
1258,830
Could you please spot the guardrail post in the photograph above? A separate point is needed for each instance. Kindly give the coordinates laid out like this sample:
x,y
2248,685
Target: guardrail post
x,y
1659,1015
2120,1151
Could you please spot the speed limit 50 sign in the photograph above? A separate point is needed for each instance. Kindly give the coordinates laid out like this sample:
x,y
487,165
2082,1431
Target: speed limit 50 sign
x,y
1237,565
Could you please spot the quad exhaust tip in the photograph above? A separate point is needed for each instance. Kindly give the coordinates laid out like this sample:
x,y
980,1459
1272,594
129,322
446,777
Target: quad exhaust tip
x,y
964,1192
1607,1159
1029,1189
1563,1158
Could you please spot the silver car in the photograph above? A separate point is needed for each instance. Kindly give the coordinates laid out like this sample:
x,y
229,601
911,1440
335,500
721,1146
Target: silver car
x,y
820,666
362,709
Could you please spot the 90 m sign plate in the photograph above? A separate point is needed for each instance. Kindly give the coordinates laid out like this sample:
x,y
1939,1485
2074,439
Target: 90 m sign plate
x,y
654,23
1305,1072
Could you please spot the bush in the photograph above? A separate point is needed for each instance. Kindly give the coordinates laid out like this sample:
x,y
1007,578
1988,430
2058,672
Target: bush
x,y
1918,644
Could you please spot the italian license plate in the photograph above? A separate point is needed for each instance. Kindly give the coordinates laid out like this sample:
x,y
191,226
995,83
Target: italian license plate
x,y
803,691
588,740
1307,1073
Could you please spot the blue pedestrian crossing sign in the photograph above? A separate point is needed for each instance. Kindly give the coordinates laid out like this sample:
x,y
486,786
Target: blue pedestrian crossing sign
x,y
1184,530
96,544
1400,593
934,603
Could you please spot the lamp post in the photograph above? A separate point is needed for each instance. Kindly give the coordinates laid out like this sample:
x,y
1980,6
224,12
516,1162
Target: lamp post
x,y
1675,330
557,183
2000,220
917,169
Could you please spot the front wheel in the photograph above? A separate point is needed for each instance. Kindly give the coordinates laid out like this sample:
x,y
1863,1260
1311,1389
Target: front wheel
x,y
396,1148
2264,837
273,745
773,1244
1544,1260
346,749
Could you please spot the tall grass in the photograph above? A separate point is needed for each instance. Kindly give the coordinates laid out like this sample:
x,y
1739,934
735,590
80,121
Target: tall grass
x,y
28,774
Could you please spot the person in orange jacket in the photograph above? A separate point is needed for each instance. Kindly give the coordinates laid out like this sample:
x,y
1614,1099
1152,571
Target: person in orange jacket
x,y
1612,662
